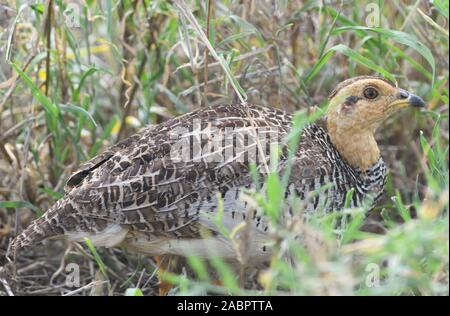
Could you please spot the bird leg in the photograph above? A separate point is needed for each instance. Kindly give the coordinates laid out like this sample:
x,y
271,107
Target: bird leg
x,y
163,265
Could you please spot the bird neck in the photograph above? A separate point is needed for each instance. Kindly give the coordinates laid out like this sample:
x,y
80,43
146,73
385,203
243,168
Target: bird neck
x,y
357,146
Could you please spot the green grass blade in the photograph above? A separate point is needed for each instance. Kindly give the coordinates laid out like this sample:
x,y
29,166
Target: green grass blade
x,y
354,55
98,259
399,37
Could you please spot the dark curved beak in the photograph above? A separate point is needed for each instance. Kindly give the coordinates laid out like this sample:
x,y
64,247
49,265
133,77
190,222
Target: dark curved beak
x,y
411,99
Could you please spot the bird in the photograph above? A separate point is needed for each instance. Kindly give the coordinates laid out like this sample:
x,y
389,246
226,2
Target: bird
x,y
157,192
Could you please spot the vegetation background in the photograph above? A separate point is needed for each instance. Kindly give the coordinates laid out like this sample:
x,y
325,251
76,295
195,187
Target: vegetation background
x,y
76,76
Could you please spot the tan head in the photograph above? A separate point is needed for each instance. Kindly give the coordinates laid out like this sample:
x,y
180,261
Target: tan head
x,y
357,108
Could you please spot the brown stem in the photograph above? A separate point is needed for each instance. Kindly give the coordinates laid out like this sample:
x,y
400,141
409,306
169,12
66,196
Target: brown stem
x,y
48,29
124,97
205,73
154,23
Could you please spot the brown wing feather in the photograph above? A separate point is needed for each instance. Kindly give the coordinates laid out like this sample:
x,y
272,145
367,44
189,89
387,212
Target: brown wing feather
x,y
140,185
136,183
87,167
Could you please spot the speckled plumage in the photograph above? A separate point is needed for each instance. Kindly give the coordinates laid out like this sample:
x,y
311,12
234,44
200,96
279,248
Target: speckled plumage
x,y
136,194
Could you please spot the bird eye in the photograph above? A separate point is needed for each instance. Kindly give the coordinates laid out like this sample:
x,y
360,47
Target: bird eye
x,y
370,93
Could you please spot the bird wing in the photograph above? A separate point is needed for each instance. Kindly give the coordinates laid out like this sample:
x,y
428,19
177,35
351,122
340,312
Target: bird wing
x,y
89,166
138,184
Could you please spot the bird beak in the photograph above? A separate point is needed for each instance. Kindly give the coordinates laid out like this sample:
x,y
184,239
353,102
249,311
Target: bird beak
x,y
406,98
416,101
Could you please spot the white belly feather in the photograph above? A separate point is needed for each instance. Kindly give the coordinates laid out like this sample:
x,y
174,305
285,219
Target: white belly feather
x,y
233,215
111,236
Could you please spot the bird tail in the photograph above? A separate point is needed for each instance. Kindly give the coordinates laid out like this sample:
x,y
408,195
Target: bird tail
x,y
40,229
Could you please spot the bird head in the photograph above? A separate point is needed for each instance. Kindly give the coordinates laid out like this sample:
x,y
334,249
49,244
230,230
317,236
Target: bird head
x,y
364,102
357,108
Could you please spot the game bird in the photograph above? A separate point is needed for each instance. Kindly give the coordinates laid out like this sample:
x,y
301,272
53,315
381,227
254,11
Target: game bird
x,y
157,192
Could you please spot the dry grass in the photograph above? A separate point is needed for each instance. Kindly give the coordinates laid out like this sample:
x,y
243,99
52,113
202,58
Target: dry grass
x,y
117,66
